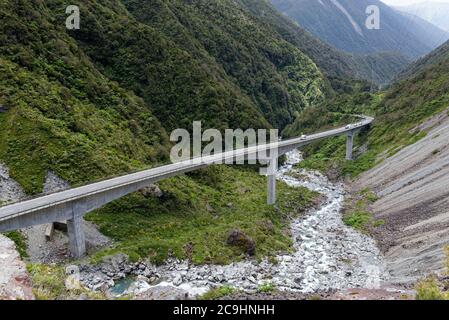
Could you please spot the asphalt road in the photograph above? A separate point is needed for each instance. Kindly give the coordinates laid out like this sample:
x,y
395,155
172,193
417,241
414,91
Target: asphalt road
x,y
166,171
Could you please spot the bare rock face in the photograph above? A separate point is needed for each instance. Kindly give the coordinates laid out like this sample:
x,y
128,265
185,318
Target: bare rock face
x,y
15,283
240,239
413,203
53,183
10,191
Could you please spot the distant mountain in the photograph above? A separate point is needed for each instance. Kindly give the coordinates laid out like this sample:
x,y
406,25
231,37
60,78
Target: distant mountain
x,y
437,58
339,66
341,23
436,13
420,93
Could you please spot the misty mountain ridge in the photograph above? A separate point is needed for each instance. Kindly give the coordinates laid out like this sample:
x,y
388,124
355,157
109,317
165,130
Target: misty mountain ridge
x,y
341,23
434,12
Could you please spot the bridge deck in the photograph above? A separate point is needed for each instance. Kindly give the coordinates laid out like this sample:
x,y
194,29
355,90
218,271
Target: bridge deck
x,y
155,174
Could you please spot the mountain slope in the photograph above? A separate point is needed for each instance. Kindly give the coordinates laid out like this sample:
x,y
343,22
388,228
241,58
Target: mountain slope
x,y
219,43
58,112
399,111
179,87
339,66
341,23
437,56
403,158
434,12
89,103
412,204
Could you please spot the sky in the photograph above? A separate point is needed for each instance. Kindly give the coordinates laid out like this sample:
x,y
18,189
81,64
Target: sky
x,y
407,2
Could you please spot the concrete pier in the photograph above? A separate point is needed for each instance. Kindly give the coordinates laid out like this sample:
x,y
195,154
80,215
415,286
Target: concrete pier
x,y
271,182
77,241
349,145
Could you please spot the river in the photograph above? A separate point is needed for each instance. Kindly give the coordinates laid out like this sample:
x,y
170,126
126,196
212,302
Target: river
x,y
327,253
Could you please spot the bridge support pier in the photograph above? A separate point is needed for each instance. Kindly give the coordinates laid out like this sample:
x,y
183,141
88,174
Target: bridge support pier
x,y
271,175
349,145
77,241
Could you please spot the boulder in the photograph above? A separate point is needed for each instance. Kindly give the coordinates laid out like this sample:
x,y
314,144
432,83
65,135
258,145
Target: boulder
x,y
209,207
152,191
240,239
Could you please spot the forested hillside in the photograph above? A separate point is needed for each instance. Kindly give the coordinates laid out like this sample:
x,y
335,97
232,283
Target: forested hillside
x,y
399,111
279,78
341,23
379,68
89,103
59,112
78,102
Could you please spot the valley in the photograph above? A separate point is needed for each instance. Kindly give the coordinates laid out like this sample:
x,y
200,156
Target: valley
x,y
84,107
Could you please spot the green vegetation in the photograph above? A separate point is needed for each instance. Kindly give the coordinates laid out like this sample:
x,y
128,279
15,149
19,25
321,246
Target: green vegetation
x,y
59,112
217,293
356,212
341,68
48,281
357,219
193,218
398,113
278,78
430,287
266,288
49,284
428,290
19,240
89,103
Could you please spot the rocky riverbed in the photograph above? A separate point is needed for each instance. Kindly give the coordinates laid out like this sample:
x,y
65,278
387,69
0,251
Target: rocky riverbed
x,y
328,255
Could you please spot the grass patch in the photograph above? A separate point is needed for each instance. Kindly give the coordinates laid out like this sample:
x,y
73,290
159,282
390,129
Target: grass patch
x,y
19,240
48,281
357,214
370,196
217,293
49,284
266,288
428,290
430,287
195,215
358,220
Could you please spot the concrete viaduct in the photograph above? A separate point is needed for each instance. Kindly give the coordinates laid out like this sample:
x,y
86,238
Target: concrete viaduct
x,y
72,204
